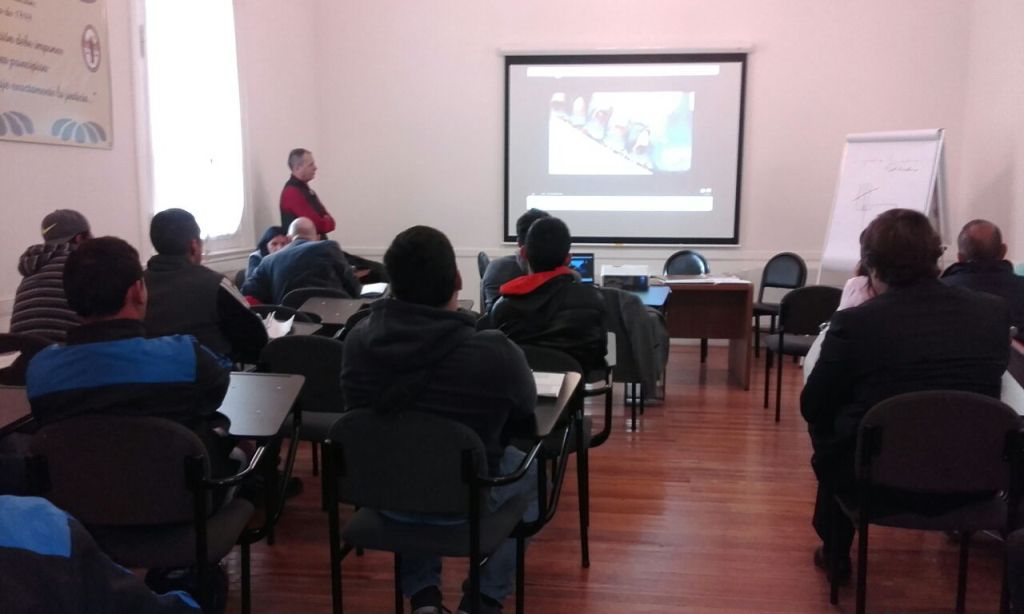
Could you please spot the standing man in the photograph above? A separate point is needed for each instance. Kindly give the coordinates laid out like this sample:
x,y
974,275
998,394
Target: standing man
x,y
299,200
40,306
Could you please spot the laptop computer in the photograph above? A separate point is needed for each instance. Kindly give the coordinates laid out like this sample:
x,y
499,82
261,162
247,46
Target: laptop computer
x,y
584,265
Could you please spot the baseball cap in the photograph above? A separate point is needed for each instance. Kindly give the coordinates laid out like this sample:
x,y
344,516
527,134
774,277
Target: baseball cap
x,y
62,225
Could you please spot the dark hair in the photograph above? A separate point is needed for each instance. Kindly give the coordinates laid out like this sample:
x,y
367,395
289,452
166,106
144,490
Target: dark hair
x,y
525,221
980,241
98,274
421,265
172,231
547,244
268,236
295,157
901,247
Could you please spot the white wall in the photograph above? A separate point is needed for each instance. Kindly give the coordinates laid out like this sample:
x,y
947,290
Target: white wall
x,y
415,109
402,103
993,154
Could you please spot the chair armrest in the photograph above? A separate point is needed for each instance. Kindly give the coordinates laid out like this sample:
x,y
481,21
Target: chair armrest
x,y
241,475
16,425
519,472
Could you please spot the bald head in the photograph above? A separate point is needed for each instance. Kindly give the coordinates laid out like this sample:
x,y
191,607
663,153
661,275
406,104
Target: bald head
x,y
303,228
980,241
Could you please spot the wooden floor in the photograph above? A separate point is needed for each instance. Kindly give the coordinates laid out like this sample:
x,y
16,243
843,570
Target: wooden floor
x,y
706,508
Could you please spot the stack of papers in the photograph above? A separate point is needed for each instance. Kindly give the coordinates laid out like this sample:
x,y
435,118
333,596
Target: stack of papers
x,y
276,328
548,384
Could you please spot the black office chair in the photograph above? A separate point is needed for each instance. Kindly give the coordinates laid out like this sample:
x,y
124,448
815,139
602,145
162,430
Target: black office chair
x,y
801,314
142,487
239,278
297,298
27,346
414,462
934,461
689,262
639,359
582,436
786,271
321,402
482,260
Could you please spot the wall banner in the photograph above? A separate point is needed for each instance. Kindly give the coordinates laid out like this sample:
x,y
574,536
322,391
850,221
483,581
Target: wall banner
x,y
55,72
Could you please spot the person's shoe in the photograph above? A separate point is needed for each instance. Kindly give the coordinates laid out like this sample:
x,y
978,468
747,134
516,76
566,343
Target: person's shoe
x,y
843,566
487,606
427,601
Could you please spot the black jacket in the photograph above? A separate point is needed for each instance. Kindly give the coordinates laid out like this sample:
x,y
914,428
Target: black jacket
x,y
303,264
190,299
995,278
40,306
924,337
554,310
408,356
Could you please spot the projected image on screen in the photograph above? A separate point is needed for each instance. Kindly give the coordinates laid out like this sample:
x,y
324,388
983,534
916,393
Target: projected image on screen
x,y
620,133
627,148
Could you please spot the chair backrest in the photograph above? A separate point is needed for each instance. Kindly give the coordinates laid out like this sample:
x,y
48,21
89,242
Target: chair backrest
x,y
802,311
551,360
482,260
686,262
938,442
239,278
28,346
119,470
410,461
297,297
283,313
316,358
785,270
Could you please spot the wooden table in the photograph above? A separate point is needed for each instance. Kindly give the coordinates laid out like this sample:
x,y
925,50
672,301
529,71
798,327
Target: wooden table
x,y
714,311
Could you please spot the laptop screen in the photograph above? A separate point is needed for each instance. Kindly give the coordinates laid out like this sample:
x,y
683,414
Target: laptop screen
x,y
584,265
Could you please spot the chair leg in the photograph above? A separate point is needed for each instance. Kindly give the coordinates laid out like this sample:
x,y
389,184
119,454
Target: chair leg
x,y
399,603
583,487
862,563
246,580
767,374
778,388
757,336
520,575
703,351
642,393
833,558
961,582
315,447
632,404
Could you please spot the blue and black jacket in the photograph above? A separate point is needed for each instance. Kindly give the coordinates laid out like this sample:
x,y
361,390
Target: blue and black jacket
x,y
50,563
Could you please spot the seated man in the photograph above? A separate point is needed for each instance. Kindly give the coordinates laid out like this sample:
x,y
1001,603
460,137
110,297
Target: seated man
x,y
503,270
480,379
186,298
40,307
307,262
916,334
550,307
981,265
50,563
109,366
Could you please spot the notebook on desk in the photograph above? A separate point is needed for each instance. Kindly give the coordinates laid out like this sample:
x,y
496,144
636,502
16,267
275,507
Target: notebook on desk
x,y
584,265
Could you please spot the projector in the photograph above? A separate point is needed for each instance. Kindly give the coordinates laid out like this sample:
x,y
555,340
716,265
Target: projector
x,y
625,277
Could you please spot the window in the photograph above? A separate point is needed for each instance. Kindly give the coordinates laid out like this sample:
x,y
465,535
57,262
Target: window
x,y
191,128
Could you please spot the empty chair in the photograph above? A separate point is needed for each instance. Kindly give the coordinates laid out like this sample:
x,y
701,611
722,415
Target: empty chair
x,y
801,314
142,488
416,463
689,262
935,461
297,297
321,402
785,271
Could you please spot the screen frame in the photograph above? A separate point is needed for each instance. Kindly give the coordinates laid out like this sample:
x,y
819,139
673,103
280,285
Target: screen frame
x,y
511,60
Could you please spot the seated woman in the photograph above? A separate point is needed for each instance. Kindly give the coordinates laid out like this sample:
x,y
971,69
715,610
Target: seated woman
x,y
273,239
